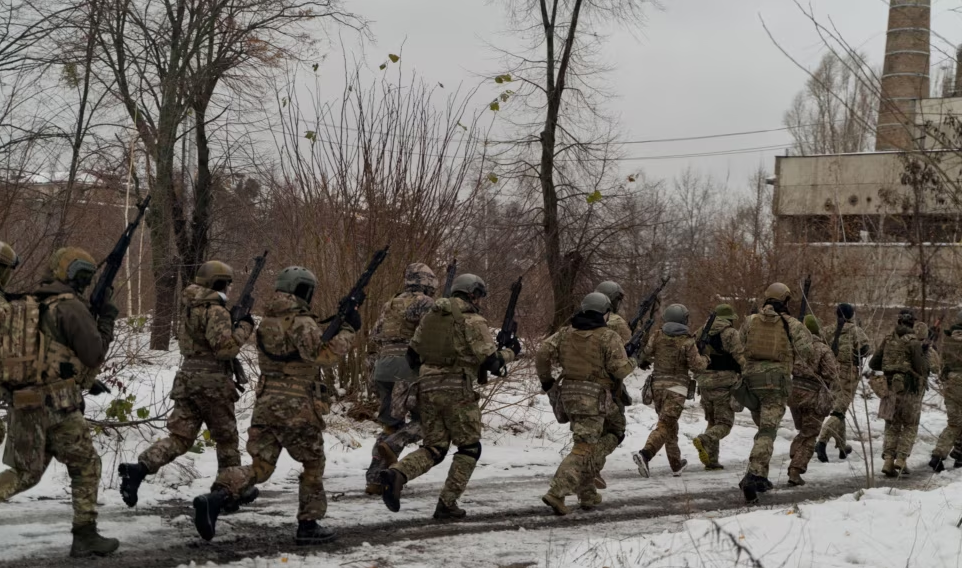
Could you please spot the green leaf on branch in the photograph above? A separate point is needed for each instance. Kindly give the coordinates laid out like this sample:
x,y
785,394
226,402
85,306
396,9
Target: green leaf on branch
x,y
143,413
505,78
311,135
494,106
314,67
504,96
393,58
492,178
594,197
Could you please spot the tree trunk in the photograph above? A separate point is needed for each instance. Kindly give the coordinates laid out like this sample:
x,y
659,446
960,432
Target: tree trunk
x,y
203,198
165,274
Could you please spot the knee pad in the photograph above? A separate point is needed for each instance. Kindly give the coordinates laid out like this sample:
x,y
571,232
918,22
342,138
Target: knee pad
x,y
262,470
438,453
767,433
473,451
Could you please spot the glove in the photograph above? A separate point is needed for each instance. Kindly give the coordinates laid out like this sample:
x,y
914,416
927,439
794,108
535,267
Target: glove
x,y
546,385
353,319
644,365
514,345
248,319
108,311
98,388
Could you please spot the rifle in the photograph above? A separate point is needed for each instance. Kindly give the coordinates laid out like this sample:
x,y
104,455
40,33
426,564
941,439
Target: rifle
x,y
704,337
647,304
839,324
241,310
104,286
355,298
449,278
638,338
806,290
933,335
509,327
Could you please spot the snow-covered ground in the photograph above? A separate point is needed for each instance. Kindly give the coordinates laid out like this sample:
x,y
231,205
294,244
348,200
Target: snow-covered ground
x,y
694,520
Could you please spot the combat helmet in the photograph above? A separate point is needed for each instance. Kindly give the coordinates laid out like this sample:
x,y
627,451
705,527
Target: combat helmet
x,y
72,266
470,285
613,291
8,263
845,311
419,276
215,275
675,313
596,302
725,312
778,292
907,318
298,281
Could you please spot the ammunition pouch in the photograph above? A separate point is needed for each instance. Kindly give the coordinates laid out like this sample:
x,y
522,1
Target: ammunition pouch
x,y
584,398
557,405
647,394
404,399
879,385
205,365
744,395
62,395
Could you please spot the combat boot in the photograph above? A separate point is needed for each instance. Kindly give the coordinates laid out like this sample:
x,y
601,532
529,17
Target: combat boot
x,y
131,476
702,447
374,489
556,503
957,464
682,465
388,456
821,451
937,464
444,512
88,542
641,460
248,496
206,510
795,477
888,468
901,468
844,452
956,454
599,482
310,533
589,501
749,487
392,482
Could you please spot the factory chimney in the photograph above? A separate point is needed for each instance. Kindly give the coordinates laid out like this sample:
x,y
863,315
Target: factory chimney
x,y
957,87
905,74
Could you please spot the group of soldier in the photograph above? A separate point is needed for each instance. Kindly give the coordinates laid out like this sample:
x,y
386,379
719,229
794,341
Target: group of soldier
x,y
429,354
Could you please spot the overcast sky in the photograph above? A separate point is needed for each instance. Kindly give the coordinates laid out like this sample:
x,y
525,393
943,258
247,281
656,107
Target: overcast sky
x,y
698,67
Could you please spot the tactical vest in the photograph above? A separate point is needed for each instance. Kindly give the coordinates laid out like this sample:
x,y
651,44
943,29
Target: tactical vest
x,y
59,361
437,347
395,327
581,354
897,355
670,361
719,359
847,349
952,355
192,335
21,361
768,341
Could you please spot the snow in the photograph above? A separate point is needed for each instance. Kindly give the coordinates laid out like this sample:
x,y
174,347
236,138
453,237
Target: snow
x,y
645,522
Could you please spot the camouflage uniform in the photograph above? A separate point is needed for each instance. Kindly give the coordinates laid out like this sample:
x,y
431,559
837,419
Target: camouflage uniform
x,y
726,359
673,354
906,369
203,391
393,331
853,346
47,421
4,393
809,402
950,381
593,365
620,326
453,341
771,342
290,402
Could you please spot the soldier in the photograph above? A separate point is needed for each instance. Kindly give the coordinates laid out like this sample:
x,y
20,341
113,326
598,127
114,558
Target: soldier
x,y
615,294
726,358
950,382
853,347
593,367
673,353
203,390
8,263
809,401
772,339
906,370
451,348
288,414
47,421
392,333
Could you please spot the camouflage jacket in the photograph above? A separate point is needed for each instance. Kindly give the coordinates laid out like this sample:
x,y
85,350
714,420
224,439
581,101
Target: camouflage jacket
x,y
289,339
206,330
398,321
75,327
901,353
853,345
620,326
672,352
952,353
818,371
595,355
795,342
723,335
468,344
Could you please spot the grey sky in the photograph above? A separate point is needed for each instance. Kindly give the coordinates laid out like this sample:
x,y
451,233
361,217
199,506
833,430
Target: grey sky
x,y
698,67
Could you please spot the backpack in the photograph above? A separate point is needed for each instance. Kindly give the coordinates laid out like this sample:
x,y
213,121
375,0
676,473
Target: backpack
x,y
21,342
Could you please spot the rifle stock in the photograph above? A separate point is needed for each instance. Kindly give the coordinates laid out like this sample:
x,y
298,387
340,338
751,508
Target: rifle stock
x,y
241,310
705,337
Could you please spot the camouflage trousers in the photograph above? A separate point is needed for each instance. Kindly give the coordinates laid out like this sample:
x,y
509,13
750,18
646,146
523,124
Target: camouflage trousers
x,y
450,416
716,399
198,400
902,429
284,423
843,393
807,413
396,435
952,394
767,418
669,406
595,438
39,435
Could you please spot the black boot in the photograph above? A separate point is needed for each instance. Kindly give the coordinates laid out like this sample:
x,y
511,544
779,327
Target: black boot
x,y
393,482
443,512
310,533
206,510
88,542
820,451
844,452
131,476
749,488
937,464
248,496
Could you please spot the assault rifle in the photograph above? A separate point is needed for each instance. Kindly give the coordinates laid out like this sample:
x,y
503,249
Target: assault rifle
x,y
634,344
508,333
839,324
647,304
103,289
449,278
242,310
933,335
355,298
704,338
806,291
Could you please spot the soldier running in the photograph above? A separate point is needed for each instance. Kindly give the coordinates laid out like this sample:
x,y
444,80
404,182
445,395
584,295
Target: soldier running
x,y
615,294
8,263
950,385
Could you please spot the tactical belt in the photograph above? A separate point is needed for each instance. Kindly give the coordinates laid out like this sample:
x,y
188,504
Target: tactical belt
x,y
573,387
806,383
665,381
393,350
442,383
766,380
287,385
204,365
60,394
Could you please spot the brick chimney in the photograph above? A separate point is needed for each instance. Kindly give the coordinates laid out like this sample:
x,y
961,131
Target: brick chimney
x,y
905,74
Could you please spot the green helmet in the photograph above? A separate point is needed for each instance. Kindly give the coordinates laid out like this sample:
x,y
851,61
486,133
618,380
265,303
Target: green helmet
x,y
725,312
73,266
675,313
778,292
214,274
419,276
614,292
298,281
470,285
8,263
811,322
596,302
